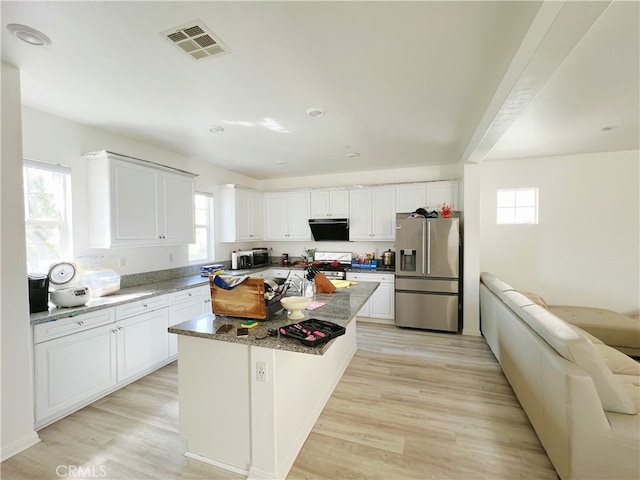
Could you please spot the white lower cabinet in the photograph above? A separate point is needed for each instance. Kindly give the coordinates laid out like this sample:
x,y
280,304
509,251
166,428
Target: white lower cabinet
x,y
80,359
185,305
142,343
381,303
71,369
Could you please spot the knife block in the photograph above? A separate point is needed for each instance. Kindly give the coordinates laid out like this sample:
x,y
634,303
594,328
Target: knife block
x,y
323,285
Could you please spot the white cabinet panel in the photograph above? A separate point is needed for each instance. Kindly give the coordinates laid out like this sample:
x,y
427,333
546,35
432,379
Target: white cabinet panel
x,y
287,215
382,302
142,343
411,197
185,305
445,191
329,204
71,369
141,306
177,221
241,214
133,202
373,214
66,326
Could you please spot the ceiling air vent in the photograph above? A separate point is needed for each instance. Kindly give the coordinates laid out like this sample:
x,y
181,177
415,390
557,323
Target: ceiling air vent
x,y
196,40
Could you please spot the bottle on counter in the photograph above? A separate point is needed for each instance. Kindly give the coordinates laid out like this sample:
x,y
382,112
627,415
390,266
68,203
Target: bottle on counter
x,y
309,289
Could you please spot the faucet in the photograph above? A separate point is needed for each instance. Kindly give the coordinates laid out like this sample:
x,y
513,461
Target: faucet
x,y
291,282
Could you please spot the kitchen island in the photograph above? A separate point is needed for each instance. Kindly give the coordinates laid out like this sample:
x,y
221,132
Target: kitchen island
x,y
248,404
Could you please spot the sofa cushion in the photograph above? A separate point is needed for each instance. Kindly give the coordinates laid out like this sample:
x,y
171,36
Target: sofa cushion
x,y
630,384
612,328
537,299
617,362
515,299
581,352
494,283
594,340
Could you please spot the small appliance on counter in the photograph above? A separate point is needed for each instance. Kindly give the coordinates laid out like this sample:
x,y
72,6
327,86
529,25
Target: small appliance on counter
x,y
242,260
64,292
38,292
389,259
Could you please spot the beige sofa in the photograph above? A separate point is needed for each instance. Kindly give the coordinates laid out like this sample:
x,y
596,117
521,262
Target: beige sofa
x,y
581,396
614,329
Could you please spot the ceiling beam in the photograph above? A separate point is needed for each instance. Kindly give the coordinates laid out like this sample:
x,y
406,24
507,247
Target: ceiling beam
x,y
555,31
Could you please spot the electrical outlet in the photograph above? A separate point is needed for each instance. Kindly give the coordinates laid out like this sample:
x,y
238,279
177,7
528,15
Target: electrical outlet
x,y
261,372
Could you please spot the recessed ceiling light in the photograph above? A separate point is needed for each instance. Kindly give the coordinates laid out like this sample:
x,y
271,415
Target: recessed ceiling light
x,y
29,35
216,129
609,128
353,154
316,111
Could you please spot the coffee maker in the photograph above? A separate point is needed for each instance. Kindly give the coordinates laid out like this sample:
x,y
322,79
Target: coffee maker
x,y
38,292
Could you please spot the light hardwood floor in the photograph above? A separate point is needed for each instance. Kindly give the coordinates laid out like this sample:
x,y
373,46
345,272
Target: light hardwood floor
x,y
411,405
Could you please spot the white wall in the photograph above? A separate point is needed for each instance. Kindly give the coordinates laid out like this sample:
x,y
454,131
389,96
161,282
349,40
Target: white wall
x,y
586,248
17,362
52,139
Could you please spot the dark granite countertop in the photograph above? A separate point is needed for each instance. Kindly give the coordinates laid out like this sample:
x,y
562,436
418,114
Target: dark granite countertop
x,y
340,307
147,290
124,295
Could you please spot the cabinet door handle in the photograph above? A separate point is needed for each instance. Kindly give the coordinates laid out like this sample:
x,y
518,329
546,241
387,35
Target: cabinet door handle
x,y
81,323
145,305
115,330
189,294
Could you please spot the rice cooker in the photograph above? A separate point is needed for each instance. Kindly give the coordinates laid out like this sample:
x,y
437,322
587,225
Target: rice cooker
x,y
64,292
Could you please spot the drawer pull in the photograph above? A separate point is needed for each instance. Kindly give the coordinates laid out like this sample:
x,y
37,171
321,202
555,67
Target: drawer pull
x,y
114,331
80,323
120,328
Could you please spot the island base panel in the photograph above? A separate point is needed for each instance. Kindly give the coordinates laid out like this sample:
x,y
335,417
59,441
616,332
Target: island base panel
x,y
214,400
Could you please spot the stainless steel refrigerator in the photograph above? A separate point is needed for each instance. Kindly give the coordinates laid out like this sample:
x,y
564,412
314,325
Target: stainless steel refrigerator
x,y
427,273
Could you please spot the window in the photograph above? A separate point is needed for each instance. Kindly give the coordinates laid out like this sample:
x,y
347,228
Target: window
x,y
47,200
518,205
202,250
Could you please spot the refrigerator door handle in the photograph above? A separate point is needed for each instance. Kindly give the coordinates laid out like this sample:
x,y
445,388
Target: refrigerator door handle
x,y
426,246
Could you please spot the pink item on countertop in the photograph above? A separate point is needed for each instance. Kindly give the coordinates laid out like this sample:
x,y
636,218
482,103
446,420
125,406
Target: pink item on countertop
x,y
314,305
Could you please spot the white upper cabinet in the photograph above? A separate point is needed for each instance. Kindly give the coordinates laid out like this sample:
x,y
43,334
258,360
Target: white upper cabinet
x,y
287,215
138,203
438,193
241,214
428,195
177,223
329,204
411,197
373,213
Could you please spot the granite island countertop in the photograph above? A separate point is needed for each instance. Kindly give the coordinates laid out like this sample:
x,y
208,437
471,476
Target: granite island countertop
x,y
148,290
340,308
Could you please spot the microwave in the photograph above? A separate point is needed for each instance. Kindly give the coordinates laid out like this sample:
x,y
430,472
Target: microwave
x,y
244,259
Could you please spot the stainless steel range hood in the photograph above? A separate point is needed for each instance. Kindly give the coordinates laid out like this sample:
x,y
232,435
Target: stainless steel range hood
x,y
329,229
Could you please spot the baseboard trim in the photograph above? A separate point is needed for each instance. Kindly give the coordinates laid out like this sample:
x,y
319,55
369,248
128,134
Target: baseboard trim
x,y
223,466
18,446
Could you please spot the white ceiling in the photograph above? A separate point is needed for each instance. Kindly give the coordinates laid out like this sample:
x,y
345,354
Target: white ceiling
x,y
403,83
